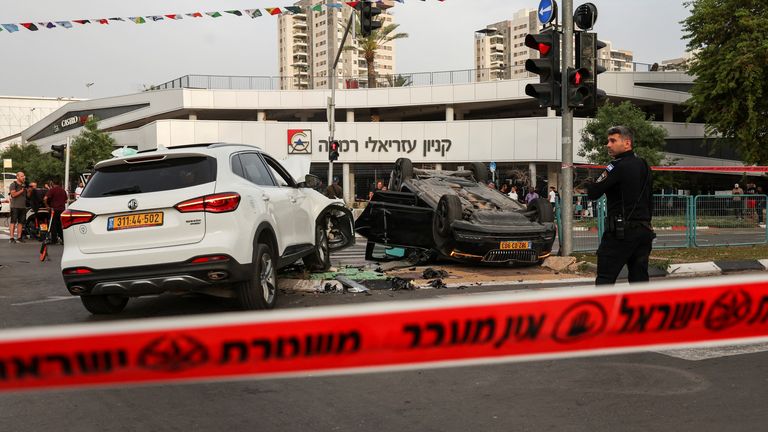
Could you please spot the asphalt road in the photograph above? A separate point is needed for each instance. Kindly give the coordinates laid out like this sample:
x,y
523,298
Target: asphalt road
x,y
699,390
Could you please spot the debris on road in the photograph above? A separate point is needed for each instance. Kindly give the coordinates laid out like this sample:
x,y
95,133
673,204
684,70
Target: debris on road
x,y
400,284
558,263
352,286
430,273
437,284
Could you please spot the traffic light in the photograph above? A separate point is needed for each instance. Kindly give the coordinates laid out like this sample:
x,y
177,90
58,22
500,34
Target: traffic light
x,y
578,87
57,151
587,46
333,151
547,67
367,23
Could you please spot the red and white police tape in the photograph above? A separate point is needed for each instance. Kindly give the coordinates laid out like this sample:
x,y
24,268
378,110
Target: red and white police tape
x,y
490,328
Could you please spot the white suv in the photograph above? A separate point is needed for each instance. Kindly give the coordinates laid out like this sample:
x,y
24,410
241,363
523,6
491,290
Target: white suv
x,y
218,219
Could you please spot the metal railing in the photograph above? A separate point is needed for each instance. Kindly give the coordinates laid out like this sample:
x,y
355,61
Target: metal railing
x,y
681,221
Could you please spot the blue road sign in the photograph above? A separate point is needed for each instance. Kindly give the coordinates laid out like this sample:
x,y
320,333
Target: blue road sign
x,y
547,11
493,166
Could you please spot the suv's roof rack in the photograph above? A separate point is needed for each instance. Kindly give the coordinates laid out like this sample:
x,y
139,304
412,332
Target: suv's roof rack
x,y
207,145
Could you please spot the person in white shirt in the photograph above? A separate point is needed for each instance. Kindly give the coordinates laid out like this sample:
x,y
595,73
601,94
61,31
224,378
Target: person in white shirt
x,y
79,190
513,193
552,196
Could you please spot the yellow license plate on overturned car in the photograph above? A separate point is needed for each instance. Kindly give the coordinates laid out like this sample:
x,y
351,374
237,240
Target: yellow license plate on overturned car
x,y
514,245
138,220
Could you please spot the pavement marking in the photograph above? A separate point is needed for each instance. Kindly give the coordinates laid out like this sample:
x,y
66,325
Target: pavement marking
x,y
48,300
698,354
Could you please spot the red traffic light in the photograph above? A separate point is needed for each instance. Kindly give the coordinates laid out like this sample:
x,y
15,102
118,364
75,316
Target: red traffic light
x,y
542,42
334,146
544,48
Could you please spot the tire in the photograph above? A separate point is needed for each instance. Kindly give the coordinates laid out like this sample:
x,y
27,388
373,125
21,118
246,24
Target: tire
x,y
448,210
260,291
544,212
104,304
320,259
403,171
479,172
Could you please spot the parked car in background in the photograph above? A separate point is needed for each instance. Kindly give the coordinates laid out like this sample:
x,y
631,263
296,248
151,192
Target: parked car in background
x,y
216,219
454,214
5,205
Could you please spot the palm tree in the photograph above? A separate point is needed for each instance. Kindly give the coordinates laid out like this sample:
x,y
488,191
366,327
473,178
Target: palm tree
x,y
370,44
399,80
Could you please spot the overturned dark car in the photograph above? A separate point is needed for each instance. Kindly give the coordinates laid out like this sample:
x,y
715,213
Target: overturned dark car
x,y
453,214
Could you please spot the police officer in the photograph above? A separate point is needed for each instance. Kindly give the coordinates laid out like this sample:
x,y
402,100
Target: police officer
x,y
627,184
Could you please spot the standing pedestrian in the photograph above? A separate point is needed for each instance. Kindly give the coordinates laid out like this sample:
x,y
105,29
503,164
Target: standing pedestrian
x,y
513,194
18,192
737,204
627,183
760,204
531,195
56,201
553,196
79,189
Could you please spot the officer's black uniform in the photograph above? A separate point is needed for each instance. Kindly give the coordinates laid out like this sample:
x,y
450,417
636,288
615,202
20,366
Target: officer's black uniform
x,y
627,184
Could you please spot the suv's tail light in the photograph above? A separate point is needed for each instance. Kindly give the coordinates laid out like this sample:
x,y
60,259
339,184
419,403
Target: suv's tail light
x,y
77,271
75,217
216,203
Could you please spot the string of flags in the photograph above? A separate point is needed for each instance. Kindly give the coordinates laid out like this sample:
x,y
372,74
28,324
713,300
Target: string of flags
x,y
253,13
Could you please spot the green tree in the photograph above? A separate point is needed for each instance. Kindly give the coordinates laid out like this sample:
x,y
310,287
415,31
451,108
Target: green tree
x,y
38,166
90,147
370,44
649,139
399,80
730,94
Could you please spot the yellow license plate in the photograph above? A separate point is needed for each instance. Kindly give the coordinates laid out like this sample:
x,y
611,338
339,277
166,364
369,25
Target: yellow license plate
x,y
514,245
138,220
44,227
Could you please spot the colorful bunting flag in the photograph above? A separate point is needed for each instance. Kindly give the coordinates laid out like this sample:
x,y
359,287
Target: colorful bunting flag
x,y
30,26
294,9
273,11
213,14
352,4
234,12
49,25
82,21
137,20
155,17
174,16
117,19
10,28
195,15
334,5
253,13
318,7
104,21
65,24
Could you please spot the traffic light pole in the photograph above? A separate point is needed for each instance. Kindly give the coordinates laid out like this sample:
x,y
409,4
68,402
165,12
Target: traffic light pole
x,y
566,173
66,169
332,99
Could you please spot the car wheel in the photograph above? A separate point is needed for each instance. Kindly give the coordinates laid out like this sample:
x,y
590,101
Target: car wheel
x,y
403,171
260,291
104,304
448,210
543,208
479,172
320,259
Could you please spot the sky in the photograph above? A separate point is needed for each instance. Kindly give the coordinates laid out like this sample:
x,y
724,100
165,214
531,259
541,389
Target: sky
x,y
124,58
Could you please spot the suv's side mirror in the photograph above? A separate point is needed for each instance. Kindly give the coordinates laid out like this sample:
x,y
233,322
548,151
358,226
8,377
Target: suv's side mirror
x,y
311,181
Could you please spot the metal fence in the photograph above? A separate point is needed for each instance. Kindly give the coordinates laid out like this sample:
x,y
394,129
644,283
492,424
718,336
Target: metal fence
x,y
680,221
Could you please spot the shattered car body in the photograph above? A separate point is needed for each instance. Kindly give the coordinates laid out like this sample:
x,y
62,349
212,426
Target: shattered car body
x,y
454,214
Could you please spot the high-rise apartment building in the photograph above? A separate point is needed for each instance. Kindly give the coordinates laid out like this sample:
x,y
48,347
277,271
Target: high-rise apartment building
x,y
307,44
500,51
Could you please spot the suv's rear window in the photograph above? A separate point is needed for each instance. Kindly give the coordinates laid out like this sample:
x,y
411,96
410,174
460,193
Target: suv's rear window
x,y
146,177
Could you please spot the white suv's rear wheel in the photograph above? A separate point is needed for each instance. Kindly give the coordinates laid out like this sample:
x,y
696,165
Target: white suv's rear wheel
x,y
104,304
260,291
320,259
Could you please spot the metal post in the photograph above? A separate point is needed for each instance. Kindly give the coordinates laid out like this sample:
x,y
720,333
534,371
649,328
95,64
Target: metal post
x,y
566,182
66,170
332,99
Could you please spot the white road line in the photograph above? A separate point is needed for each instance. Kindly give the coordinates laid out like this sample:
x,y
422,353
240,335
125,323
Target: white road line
x,y
48,300
698,354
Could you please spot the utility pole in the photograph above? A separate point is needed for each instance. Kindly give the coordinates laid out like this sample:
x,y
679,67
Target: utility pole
x,y
332,99
66,169
566,174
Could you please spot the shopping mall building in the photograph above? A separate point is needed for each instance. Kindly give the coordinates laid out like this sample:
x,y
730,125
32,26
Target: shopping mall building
x,y
436,126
